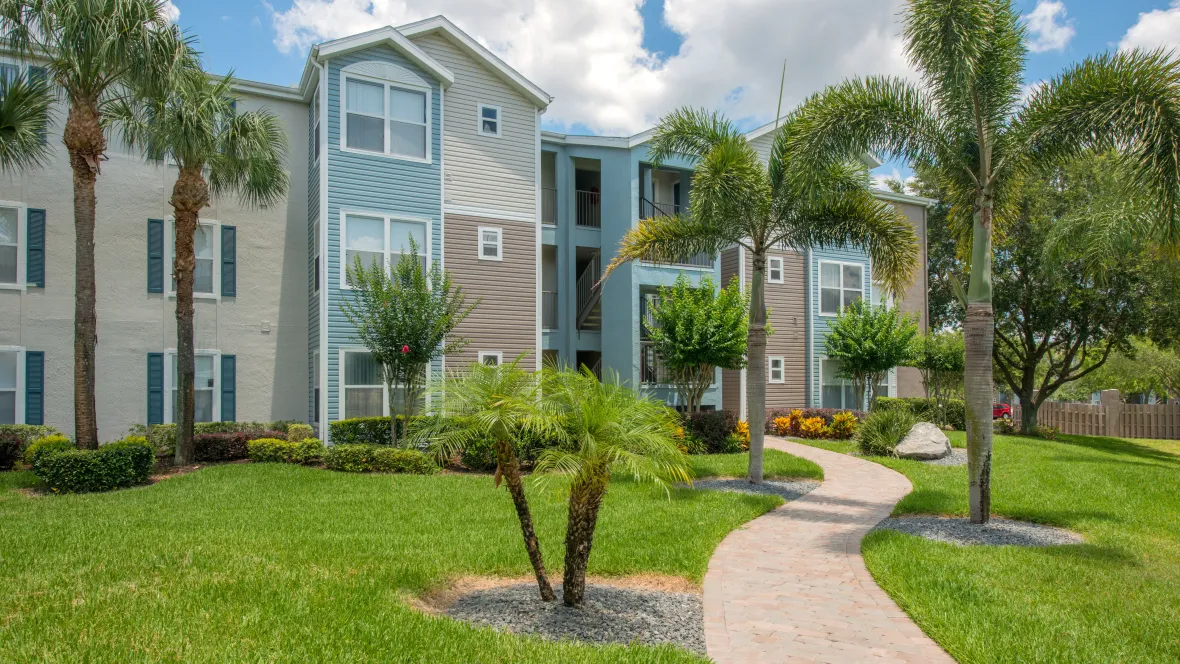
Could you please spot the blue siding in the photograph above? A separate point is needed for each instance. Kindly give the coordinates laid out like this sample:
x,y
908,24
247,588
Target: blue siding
x,y
820,323
313,300
375,183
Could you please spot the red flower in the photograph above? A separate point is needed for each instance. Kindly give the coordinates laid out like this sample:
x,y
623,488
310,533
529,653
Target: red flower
x,y
405,349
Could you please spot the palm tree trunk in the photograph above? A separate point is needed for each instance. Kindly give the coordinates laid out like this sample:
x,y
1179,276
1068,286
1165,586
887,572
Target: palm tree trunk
x,y
189,195
979,337
84,139
585,499
509,469
756,371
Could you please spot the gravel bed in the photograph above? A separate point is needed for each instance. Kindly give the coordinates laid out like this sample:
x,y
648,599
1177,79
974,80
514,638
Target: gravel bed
x,y
787,489
997,532
957,457
609,614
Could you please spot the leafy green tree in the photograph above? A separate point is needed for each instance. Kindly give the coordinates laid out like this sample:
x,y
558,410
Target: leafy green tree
x,y
193,121
95,50
502,404
736,201
406,319
24,115
697,330
869,341
966,121
1128,373
939,358
610,428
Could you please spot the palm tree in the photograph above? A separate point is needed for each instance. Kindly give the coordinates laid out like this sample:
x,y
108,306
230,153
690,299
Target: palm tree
x,y
24,115
610,428
737,201
500,404
193,120
93,48
965,121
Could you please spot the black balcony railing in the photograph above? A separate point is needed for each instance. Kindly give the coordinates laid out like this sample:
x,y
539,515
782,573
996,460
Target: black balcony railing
x,y
548,310
588,208
648,209
652,368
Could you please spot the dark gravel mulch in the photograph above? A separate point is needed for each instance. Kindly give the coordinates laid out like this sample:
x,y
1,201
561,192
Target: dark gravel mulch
x,y
957,457
787,489
996,532
609,614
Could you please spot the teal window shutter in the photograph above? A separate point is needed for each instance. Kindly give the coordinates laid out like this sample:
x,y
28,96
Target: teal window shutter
x,y
155,391
155,252
229,261
229,405
35,256
39,74
34,387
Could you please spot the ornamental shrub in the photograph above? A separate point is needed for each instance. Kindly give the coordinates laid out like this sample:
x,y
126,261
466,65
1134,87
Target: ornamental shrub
x,y
843,425
123,463
44,446
300,431
926,410
162,437
479,455
350,458
712,428
273,450
1048,432
401,460
10,449
1004,426
802,413
365,431
28,433
882,430
781,426
813,427
220,447
742,431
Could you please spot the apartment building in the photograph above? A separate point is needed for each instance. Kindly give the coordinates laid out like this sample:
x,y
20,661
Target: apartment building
x,y
415,132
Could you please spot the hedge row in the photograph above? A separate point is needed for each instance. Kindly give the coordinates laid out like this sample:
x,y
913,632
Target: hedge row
x,y
926,410
711,432
378,459
162,437
123,463
365,430
273,450
26,433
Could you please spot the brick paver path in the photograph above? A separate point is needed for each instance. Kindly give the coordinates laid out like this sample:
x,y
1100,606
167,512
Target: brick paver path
x,y
791,586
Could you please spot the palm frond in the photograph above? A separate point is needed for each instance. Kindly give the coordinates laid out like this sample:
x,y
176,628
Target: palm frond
x,y
24,115
667,240
691,133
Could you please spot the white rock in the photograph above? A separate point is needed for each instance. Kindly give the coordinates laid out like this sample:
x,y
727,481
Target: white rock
x,y
924,441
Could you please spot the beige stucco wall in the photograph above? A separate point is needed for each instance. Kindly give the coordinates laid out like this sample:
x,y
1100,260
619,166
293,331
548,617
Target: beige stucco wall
x,y
915,300
271,284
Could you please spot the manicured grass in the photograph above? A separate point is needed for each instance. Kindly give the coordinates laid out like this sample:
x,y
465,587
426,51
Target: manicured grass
x,y
1115,598
269,562
774,464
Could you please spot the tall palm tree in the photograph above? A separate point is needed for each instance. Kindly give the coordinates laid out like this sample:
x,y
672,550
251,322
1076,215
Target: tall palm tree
x,y
501,404
93,48
193,120
738,201
24,115
965,121
611,428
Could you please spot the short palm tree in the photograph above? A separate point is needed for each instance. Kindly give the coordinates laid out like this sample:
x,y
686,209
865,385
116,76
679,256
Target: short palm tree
x,y
24,115
500,404
193,121
94,50
610,428
965,121
738,201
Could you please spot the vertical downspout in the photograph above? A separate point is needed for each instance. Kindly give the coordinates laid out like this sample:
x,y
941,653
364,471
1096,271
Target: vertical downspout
x,y
809,305
743,414
537,220
325,282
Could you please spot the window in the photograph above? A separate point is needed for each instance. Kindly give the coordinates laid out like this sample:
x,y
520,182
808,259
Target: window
x,y
774,269
881,297
382,241
9,385
205,396
836,392
205,274
315,389
371,106
315,249
492,358
489,120
840,285
315,121
11,235
776,370
364,387
490,244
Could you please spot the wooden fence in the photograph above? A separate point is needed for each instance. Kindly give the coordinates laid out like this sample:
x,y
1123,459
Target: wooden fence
x,y
1112,417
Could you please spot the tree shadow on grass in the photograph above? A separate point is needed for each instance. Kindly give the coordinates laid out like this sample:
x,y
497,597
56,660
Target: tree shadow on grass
x,y
1120,446
1092,553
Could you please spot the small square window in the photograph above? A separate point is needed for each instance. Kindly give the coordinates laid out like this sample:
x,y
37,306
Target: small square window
x,y
774,270
489,120
491,244
776,370
491,358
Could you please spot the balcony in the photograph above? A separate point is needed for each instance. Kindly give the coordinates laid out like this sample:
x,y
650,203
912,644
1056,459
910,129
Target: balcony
x,y
548,310
649,209
588,206
652,370
549,206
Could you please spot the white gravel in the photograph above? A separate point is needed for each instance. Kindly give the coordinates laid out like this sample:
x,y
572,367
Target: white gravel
x,y
996,532
787,489
609,614
957,457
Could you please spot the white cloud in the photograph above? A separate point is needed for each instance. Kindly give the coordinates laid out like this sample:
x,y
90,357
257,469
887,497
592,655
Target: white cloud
x,y
589,54
1048,28
880,180
171,11
1156,28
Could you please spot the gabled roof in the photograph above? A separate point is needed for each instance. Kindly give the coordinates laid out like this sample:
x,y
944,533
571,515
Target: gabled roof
x,y
443,26
389,36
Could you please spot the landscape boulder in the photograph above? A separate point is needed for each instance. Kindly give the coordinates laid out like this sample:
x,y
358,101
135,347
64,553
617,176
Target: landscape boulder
x,y
925,441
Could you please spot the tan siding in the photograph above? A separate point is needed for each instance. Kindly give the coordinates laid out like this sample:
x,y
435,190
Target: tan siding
x,y
731,388
490,173
909,381
506,318
788,317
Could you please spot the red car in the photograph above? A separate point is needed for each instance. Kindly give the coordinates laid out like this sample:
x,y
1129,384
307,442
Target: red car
x,y
1001,410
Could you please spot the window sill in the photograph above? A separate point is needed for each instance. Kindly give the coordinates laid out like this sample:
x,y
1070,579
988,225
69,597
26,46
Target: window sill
x,y
387,155
489,258
14,287
199,296
676,266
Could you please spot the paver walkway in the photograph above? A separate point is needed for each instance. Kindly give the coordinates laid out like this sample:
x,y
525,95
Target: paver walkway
x,y
791,585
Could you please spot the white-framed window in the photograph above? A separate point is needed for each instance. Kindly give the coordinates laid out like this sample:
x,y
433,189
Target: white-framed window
x,y
776,374
206,395
489,120
207,250
13,234
362,385
12,374
315,249
315,387
315,121
491,244
774,269
836,392
840,284
492,358
881,297
386,118
382,239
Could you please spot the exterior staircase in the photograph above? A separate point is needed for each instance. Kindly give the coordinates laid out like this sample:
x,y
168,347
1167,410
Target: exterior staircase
x,y
590,295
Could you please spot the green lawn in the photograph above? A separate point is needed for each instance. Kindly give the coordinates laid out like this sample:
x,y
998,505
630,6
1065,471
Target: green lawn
x,y
1115,598
283,563
774,464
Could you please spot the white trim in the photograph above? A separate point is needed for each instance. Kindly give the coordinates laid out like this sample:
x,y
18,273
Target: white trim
x,y
480,242
479,120
170,258
782,369
19,396
819,283
341,410
442,217
169,355
22,246
385,34
770,260
903,198
323,297
538,312
811,304
386,218
317,109
498,354
487,213
386,133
